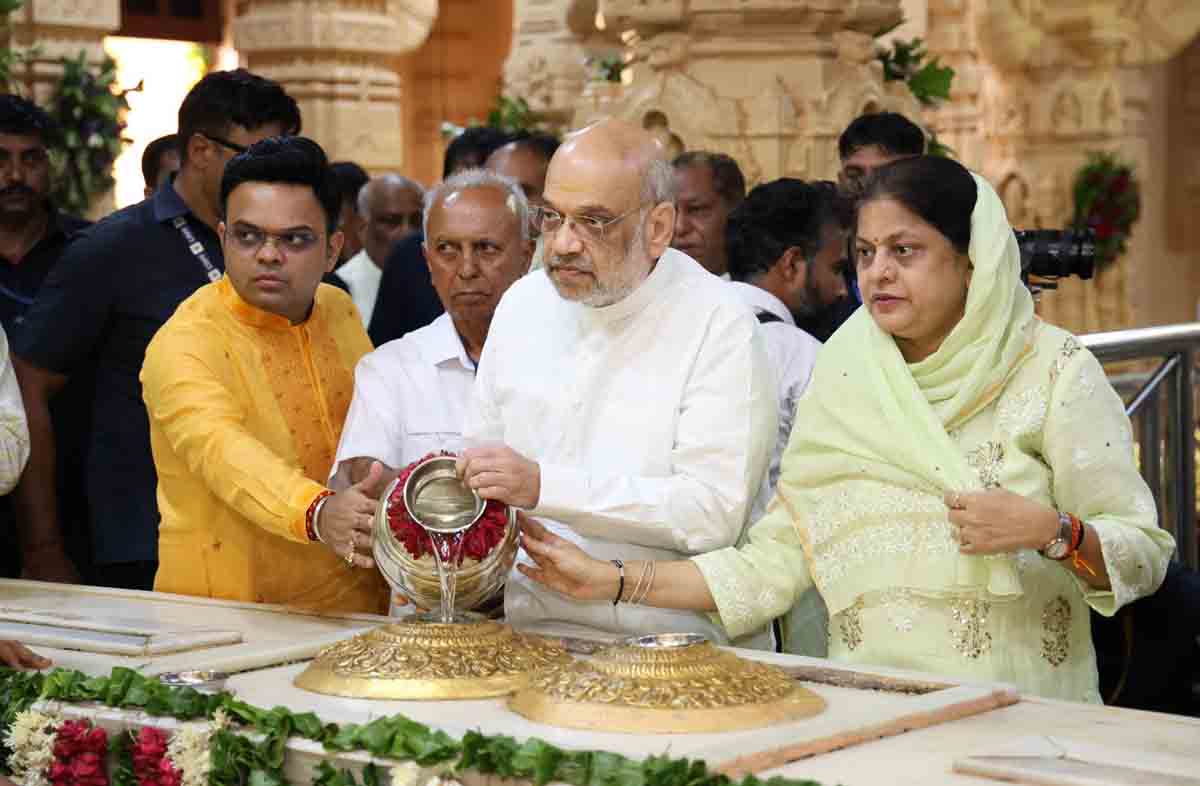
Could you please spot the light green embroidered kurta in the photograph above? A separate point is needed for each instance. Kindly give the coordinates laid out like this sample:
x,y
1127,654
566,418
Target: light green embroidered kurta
x,y
1056,434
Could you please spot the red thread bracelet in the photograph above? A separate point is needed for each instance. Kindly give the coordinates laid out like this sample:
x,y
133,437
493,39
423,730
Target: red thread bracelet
x,y
310,524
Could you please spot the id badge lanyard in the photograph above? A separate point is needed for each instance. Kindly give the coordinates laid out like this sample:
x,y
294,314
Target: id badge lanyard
x,y
196,247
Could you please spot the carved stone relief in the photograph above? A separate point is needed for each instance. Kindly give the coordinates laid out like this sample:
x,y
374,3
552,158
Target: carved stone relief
x,y
340,60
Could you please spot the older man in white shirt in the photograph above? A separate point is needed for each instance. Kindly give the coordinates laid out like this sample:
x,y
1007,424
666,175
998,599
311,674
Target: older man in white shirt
x,y
390,207
410,395
624,396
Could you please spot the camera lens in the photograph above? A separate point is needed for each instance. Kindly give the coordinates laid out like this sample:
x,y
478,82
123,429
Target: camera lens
x,y
1057,253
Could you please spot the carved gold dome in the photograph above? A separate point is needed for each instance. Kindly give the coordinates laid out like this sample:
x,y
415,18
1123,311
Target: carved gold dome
x,y
671,683
419,659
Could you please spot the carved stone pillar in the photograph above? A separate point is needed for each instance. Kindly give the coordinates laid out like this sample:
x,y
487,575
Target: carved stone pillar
x,y
59,28
1059,79
546,64
341,60
770,83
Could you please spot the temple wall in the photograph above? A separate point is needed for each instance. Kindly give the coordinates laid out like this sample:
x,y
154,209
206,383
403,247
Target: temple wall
x,y
1038,84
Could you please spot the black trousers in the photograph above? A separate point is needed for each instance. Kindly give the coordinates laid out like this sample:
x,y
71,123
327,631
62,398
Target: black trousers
x,y
127,575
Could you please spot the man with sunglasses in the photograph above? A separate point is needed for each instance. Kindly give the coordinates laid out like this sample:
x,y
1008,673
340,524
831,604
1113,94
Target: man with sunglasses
x,y
114,287
247,387
623,396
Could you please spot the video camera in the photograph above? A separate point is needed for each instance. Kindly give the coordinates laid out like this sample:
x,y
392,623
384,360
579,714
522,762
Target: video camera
x,y
1050,254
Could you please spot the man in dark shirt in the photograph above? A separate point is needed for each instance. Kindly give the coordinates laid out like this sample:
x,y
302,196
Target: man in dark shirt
x,y
33,234
407,300
115,286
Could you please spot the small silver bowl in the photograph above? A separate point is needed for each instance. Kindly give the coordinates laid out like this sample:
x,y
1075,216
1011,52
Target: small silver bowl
x,y
665,641
478,582
438,500
202,681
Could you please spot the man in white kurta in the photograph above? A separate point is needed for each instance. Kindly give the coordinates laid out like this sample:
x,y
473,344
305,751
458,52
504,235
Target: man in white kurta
x,y
390,206
410,395
624,396
791,354
14,428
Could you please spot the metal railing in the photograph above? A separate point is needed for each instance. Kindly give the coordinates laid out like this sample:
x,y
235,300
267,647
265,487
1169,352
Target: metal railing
x,y
1162,408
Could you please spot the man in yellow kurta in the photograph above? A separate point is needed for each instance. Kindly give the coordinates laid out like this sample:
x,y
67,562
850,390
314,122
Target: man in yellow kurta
x,y
247,386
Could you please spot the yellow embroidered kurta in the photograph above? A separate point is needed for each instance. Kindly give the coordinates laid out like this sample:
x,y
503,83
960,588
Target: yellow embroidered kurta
x,y
1057,434
246,411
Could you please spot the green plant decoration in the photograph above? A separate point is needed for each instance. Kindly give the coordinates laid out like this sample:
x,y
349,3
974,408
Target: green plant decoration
x,y
605,68
511,115
88,110
13,60
927,79
1107,200
906,61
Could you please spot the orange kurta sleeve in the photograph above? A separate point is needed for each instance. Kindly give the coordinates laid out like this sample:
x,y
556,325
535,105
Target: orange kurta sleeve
x,y
189,400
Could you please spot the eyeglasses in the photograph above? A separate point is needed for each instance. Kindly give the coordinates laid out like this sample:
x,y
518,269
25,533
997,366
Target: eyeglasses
x,y
234,146
251,239
587,227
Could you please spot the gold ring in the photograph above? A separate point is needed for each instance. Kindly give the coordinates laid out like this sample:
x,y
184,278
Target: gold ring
x,y
350,557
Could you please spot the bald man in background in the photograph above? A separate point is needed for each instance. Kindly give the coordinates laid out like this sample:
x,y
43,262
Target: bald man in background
x,y
390,209
623,397
526,160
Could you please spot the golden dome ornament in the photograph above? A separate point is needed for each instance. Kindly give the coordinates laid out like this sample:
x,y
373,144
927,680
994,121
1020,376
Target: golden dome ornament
x,y
451,653
664,684
422,658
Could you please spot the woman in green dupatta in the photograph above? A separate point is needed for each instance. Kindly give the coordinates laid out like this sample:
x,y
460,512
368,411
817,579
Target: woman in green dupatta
x,y
960,484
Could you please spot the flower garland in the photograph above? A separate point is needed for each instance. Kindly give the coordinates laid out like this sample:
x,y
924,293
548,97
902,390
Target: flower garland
x,y
47,751
220,753
1107,200
478,540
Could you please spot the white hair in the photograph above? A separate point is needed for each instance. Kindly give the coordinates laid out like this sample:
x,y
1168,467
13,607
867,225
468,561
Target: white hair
x,y
658,182
514,197
363,200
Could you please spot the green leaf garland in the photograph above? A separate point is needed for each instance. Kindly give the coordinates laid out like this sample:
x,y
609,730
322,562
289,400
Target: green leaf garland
x,y
237,760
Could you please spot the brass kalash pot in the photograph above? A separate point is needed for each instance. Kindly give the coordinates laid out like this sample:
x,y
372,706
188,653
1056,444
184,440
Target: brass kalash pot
x,y
451,653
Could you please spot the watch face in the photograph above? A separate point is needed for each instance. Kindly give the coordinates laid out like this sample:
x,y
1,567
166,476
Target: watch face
x,y
1056,549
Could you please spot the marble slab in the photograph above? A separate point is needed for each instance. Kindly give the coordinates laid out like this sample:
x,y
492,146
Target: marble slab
x,y
220,635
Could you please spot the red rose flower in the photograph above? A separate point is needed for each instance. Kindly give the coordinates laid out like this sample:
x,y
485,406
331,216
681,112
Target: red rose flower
x,y
80,753
478,540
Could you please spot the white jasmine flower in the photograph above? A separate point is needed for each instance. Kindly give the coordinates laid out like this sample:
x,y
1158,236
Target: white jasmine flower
x,y
406,773
189,750
31,740
442,780
220,719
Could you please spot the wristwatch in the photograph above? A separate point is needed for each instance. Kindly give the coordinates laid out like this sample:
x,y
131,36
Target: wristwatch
x,y
1059,548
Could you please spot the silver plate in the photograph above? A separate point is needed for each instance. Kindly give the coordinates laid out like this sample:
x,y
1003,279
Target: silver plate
x,y
663,641
203,681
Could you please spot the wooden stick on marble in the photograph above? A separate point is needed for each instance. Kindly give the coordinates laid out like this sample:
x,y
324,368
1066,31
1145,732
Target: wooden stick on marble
x,y
778,757
844,678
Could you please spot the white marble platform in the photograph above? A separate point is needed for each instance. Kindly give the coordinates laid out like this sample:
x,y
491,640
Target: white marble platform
x,y
274,636
268,635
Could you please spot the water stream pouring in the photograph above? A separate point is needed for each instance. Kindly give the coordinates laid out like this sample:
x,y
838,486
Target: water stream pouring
x,y
445,508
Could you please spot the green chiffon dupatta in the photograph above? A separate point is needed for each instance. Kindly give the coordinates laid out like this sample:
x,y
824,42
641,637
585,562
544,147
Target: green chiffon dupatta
x,y
870,456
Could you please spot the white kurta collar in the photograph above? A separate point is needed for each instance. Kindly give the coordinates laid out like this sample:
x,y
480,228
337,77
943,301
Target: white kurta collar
x,y
444,344
762,300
